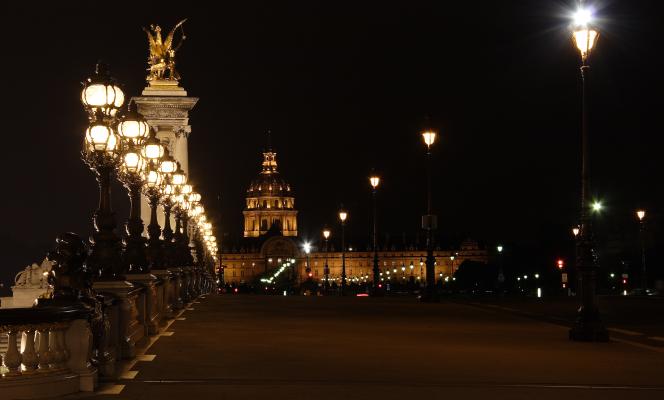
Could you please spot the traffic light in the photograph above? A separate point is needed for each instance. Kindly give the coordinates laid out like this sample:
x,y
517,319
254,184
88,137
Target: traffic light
x,y
560,263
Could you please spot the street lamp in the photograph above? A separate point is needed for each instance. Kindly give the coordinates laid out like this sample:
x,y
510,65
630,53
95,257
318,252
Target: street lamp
x,y
641,214
307,249
101,98
343,214
326,271
153,180
597,206
429,222
374,180
168,167
588,326
133,130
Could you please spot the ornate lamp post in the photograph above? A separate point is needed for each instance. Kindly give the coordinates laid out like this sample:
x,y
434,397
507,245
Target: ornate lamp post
x,y
180,209
374,180
153,150
326,271
342,217
429,223
102,98
133,129
168,167
588,326
641,214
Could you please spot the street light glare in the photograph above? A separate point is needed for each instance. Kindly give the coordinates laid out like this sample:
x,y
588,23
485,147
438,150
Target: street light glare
x,y
307,247
597,206
374,180
641,214
583,17
429,137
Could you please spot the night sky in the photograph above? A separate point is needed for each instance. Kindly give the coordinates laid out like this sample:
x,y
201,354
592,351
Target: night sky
x,y
345,88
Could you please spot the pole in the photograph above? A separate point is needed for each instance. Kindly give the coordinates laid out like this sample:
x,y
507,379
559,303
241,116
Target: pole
x,y
327,269
135,251
343,257
155,256
430,260
588,326
644,274
105,258
375,243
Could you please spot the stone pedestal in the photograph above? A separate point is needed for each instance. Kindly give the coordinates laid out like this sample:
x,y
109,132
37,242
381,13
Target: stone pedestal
x,y
177,300
152,312
164,294
130,329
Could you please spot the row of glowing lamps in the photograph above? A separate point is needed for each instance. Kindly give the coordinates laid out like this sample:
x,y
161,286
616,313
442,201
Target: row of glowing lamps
x,y
131,143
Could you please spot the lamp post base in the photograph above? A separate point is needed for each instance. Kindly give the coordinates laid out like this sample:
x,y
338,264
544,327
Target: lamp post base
x,y
588,328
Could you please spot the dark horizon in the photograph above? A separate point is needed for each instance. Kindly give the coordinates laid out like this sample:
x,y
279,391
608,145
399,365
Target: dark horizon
x,y
345,89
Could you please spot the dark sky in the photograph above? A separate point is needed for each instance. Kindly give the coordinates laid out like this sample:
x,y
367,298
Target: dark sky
x,y
344,87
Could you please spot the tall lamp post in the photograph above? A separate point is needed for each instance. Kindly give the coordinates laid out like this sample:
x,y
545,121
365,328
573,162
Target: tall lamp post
x,y
374,180
429,223
154,151
168,168
641,214
133,130
588,326
343,214
102,98
326,271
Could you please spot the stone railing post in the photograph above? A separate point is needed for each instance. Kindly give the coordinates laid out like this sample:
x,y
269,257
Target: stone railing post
x,y
28,353
12,359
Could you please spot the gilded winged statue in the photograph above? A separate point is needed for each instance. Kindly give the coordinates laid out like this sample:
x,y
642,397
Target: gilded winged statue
x,y
162,53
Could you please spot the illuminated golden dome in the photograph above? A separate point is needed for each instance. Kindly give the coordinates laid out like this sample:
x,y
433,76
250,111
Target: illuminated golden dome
x,y
269,182
270,203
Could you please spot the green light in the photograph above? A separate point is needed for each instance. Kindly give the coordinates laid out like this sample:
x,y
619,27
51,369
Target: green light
x,y
597,206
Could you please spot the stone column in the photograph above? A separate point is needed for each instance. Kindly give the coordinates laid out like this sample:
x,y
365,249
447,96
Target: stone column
x,y
165,105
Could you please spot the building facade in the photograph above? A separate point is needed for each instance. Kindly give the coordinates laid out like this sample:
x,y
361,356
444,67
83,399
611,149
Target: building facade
x,y
270,203
271,244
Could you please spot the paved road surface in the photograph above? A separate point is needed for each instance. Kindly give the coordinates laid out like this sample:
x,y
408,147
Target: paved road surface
x,y
251,347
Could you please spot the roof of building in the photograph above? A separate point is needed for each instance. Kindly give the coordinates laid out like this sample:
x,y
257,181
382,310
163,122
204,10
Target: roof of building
x,y
269,182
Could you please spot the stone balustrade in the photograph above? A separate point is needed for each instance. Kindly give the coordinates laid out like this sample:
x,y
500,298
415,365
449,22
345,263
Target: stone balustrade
x,y
47,351
54,349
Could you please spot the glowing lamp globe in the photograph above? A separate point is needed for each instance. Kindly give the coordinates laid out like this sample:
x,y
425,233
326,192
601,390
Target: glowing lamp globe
x,y
343,215
132,162
429,137
641,214
168,190
100,138
186,189
101,94
168,164
153,178
584,35
374,180
153,149
133,127
194,197
178,178
326,233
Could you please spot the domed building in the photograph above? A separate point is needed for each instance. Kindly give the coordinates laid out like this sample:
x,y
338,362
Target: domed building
x,y
270,246
270,205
